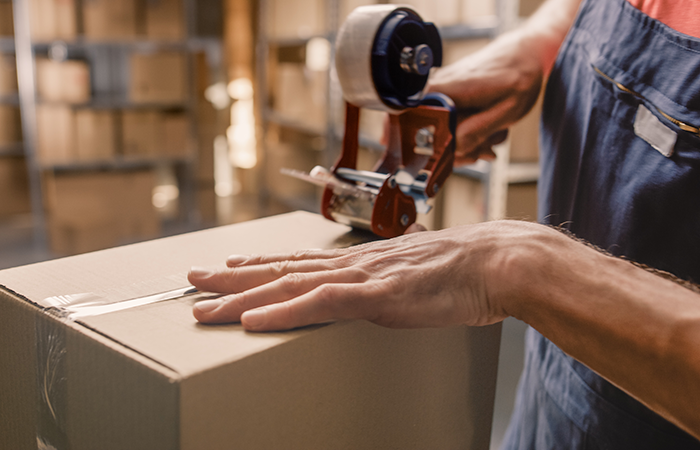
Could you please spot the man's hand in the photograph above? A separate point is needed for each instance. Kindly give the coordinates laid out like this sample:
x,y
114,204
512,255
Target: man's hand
x,y
492,89
424,279
496,86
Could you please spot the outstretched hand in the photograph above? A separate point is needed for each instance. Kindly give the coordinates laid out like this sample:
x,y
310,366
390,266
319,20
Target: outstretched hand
x,y
425,279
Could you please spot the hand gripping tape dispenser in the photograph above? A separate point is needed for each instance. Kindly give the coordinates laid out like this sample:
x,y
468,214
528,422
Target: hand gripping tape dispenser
x,y
384,55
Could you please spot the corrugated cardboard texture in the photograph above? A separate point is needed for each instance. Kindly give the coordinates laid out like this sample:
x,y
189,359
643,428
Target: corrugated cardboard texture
x,y
351,386
153,378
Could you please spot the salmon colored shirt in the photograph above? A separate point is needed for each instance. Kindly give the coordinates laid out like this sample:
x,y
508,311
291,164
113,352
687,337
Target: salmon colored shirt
x,y
681,15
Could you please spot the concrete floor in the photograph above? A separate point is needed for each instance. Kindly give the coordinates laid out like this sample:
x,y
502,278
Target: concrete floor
x,y
17,248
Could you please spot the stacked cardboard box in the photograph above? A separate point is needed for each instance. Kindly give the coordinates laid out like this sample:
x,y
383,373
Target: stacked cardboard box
x,y
8,75
63,81
300,95
96,135
158,78
140,133
165,19
55,134
6,22
10,125
109,19
14,186
94,210
294,19
53,19
152,133
152,378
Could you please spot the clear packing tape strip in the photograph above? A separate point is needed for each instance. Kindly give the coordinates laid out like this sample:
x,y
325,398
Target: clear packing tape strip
x,y
52,349
76,306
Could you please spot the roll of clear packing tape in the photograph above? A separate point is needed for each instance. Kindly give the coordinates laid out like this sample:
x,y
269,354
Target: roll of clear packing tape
x,y
384,54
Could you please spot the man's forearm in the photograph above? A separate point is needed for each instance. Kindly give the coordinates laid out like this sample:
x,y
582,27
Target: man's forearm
x,y
545,30
635,328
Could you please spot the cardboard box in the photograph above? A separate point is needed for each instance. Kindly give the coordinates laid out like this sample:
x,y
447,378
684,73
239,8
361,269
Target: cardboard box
x,y
475,11
464,201
165,19
53,19
300,95
176,139
10,125
96,135
14,186
55,134
96,210
8,75
525,136
521,203
141,131
6,18
297,19
151,378
441,13
109,19
158,78
65,81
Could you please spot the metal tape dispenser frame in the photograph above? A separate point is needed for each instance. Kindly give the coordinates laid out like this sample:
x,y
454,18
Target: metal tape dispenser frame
x,y
384,55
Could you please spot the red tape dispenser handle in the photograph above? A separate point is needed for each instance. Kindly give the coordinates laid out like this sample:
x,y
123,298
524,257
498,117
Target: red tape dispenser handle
x,y
417,161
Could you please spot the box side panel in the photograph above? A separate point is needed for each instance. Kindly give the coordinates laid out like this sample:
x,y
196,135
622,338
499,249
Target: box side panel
x,y
349,386
70,388
18,412
115,400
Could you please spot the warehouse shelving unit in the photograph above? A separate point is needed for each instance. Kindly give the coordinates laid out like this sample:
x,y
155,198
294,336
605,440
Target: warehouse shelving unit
x,y
109,59
496,177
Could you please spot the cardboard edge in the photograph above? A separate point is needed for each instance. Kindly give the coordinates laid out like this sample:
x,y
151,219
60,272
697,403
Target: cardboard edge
x,y
90,333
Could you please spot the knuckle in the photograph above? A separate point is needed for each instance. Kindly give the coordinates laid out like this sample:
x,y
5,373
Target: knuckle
x,y
278,268
327,298
291,283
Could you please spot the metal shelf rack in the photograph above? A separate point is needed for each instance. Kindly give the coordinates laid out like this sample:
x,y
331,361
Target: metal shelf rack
x,y
26,51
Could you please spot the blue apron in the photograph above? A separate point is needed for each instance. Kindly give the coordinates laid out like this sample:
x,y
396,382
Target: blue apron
x,y
619,170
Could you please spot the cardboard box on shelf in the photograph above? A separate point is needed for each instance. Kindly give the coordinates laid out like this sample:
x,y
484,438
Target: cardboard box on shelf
x,y
6,18
8,75
441,13
95,210
521,203
14,186
96,135
110,20
176,141
300,95
53,19
158,78
63,81
165,20
141,131
210,124
55,134
297,19
10,125
150,377
525,136
463,202
476,11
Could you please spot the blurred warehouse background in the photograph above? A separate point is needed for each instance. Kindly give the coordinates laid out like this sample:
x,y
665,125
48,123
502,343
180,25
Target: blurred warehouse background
x,y
128,120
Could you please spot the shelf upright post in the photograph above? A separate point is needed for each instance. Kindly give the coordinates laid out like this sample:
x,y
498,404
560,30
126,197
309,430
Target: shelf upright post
x,y
334,95
189,168
26,78
496,192
262,55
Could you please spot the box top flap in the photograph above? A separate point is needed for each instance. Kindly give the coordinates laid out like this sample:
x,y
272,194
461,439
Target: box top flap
x,y
167,332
